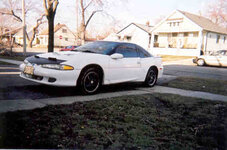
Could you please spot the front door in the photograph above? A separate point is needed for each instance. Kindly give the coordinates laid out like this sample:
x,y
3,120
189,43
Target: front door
x,y
126,68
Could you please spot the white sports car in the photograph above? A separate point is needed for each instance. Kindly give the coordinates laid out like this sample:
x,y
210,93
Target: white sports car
x,y
92,65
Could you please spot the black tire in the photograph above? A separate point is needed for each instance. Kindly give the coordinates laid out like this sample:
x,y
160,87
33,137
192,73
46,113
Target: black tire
x,y
90,81
151,77
200,62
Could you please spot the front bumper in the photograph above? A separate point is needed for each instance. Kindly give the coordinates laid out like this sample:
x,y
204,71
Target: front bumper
x,y
195,60
51,76
160,71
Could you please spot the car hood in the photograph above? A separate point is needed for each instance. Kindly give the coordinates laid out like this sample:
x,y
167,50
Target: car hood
x,y
60,57
68,55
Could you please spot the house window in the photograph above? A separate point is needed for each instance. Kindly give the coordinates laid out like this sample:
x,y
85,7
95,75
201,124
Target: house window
x,y
195,34
64,31
174,24
218,38
128,38
224,39
66,39
170,24
174,34
155,38
186,34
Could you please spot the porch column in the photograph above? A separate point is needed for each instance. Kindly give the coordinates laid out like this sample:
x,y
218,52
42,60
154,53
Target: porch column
x,y
152,43
200,41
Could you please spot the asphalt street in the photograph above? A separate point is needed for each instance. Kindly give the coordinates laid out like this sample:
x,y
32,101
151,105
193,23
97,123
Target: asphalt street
x,y
12,87
209,72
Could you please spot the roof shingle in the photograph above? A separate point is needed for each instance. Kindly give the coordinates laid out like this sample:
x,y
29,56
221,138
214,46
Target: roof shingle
x,y
204,23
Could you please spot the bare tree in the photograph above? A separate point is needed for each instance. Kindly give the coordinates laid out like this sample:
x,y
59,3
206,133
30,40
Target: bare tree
x,y
84,5
217,12
34,29
13,8
88,9
50,11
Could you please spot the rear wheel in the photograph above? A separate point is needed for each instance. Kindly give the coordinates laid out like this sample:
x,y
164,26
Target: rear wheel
x,y
151,77
90,81
200,62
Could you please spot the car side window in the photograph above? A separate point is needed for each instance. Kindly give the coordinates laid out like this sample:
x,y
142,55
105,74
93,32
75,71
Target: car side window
x,y
126,51
143,53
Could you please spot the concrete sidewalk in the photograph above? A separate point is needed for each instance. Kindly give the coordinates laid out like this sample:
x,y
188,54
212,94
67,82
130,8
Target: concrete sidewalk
x,y
27,104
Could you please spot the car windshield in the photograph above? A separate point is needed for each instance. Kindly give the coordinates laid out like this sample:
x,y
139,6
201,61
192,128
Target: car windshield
x,y
100,47
220,52
68,47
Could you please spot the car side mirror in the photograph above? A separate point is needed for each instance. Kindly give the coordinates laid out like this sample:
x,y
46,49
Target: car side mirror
x,y
116,56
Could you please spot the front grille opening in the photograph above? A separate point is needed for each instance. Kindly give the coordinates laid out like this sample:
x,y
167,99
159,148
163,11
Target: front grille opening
x,y
35,77
51,80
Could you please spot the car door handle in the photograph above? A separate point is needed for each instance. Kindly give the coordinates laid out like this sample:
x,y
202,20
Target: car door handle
x,y
138,62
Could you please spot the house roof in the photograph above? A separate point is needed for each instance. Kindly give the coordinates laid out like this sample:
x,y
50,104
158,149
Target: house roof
x,y
146,28
11,31
20,32
56,28
204,23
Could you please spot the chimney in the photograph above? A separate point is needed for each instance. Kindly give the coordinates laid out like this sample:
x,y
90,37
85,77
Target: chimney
x,y
148,23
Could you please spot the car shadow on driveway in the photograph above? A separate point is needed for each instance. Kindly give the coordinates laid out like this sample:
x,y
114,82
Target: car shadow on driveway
x,y
45,91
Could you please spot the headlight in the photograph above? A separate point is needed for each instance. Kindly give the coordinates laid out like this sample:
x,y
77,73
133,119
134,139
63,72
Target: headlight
x,y
57,67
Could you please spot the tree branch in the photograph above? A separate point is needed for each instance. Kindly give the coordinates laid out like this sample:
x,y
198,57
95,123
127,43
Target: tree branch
x,y
88,5
56,2
89,19
11,13
45,6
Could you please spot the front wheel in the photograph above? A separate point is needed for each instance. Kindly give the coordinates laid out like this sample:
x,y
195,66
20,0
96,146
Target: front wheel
x,y
90,81
151,77
200,62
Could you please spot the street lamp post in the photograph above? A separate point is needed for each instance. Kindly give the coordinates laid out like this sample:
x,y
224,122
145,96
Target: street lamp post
x,y
24,27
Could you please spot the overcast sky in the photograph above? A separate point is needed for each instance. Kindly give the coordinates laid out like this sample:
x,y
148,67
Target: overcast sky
x,y
138,11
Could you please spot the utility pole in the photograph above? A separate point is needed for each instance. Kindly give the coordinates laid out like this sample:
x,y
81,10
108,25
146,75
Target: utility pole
x,y
77,22
24,27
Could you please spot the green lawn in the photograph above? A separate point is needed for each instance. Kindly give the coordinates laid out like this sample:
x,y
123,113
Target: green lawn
x,y
198,84
159,121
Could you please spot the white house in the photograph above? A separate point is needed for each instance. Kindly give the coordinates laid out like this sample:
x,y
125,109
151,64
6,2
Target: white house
x,y
183,33
134,33
63,36
19,37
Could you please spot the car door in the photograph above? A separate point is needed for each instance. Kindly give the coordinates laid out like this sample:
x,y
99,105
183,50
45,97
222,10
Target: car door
x,y
126,68
223,58
213,59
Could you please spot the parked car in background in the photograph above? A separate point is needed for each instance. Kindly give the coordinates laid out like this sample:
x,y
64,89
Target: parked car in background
x,y
218,58
94,64
68,48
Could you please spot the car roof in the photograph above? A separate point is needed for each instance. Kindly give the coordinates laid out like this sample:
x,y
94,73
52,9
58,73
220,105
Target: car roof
x,y
116,42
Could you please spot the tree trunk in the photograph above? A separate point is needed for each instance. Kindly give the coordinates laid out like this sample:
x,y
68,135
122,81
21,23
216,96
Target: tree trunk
x,y
82,34
51,32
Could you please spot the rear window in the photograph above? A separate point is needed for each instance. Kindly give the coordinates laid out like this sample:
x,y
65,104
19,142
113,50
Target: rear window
x,y
142,52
